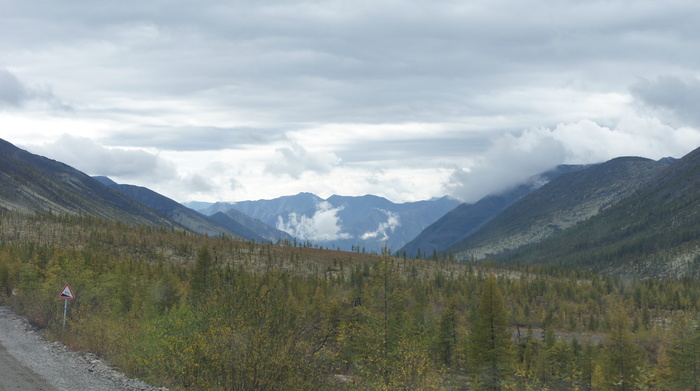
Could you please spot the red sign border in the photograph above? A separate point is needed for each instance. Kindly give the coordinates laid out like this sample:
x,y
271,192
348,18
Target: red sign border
x,y
71,292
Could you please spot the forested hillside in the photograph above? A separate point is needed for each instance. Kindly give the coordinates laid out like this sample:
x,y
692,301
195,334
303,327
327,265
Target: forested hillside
x,y
191,312
465,219
654,233
560,204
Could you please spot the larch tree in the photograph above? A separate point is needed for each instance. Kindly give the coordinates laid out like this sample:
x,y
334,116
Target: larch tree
x,y
684,355
622,358
490,338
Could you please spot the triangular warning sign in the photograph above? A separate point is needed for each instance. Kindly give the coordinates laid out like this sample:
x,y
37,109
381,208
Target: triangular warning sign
x,y
66,293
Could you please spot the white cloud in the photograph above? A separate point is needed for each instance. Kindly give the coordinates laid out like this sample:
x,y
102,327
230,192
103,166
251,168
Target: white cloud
x,y
588,142
510,160
384,229
324,225
513,158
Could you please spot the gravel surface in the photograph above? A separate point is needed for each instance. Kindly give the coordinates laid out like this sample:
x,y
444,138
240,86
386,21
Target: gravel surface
x,y
28,363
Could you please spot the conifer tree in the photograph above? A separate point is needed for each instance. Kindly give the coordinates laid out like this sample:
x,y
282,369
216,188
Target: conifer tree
x,y
490,339
684,355
446,339
623,359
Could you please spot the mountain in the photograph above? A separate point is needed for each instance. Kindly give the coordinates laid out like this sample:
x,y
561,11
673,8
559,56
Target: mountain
x,y
558,205
34,184
268,210
234,223
465,219
233,218
366,222
654,232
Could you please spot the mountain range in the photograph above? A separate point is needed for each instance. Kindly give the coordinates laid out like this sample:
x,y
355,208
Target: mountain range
x,y
365,223
34,184
231,223
627,216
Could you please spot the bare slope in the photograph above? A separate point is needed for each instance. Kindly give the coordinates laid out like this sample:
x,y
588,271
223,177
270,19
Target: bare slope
x,y
559,205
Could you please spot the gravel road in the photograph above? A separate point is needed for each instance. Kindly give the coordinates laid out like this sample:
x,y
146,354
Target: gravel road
x,y
30,363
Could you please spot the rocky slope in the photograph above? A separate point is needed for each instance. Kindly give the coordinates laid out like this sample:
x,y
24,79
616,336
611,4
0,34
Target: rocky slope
x,y
559,205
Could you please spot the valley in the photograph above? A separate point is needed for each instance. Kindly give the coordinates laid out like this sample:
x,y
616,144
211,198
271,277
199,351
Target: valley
x,y
588,281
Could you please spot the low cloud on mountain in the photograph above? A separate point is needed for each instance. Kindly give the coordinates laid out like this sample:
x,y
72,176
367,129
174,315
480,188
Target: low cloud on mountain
x,y
384,229
323,226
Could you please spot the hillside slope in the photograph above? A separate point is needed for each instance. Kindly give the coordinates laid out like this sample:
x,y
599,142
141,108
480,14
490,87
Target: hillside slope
x,y
465,219
654,232
34,184
558,205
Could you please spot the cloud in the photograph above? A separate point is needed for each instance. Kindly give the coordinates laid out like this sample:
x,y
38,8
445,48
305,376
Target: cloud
x,y
194,138
15,93
324,225
513,158
672,96
94,159
383,230
294,160
509,161
12,91
403,88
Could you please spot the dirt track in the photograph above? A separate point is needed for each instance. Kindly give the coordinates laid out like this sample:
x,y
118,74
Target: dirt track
x,y
14,376
30,363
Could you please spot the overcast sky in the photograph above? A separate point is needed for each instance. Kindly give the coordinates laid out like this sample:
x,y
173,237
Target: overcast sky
x,y
239,100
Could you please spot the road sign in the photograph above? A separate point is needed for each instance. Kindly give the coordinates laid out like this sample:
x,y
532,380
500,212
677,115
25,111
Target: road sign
x,y
66,293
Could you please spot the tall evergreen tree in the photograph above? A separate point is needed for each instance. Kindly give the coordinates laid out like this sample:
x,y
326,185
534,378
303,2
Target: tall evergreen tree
x,y
490,339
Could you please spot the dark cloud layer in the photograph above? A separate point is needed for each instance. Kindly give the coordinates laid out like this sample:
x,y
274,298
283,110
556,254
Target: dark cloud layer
x,y
678,97
488,92
194,138
15,93
12,91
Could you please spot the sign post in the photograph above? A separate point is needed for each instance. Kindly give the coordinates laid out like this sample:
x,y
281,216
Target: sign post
x,y
66,294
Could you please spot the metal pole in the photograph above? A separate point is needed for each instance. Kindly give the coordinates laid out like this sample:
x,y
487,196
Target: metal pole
x,y
65,308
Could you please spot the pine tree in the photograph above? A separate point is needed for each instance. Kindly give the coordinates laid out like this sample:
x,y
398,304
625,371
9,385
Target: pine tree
x,y
490,339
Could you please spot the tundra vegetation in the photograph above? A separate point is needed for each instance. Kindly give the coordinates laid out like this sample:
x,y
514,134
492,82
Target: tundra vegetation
x,y
199,313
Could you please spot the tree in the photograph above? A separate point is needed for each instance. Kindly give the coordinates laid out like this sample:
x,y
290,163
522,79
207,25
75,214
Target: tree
x,y
684,355
202,271
622,359
446,338
490,339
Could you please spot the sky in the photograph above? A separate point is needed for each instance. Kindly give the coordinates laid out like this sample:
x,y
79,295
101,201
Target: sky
x,y
244,100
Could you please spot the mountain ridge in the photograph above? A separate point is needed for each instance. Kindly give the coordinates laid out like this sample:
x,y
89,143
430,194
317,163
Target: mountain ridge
x,y
366,222
35,184
654,232
466,219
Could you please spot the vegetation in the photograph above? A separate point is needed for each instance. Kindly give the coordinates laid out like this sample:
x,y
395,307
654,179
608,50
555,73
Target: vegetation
x,y
192,312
